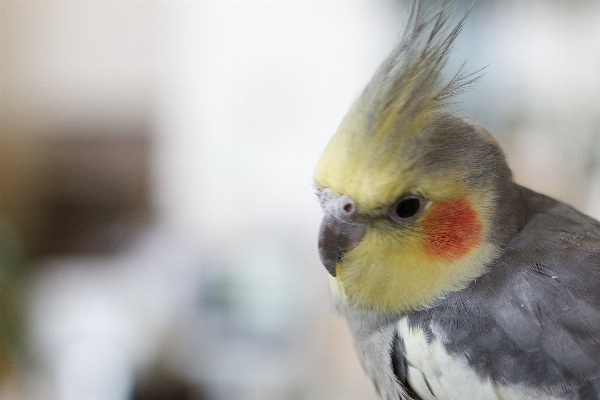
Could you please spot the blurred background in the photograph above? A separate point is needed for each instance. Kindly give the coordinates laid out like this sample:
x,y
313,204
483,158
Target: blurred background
x,y
157,220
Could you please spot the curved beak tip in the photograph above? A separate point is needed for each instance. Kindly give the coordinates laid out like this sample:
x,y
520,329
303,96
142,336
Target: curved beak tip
x,y
330,267
335,238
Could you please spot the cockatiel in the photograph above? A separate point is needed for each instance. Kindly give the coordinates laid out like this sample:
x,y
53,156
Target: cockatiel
x,y
456,282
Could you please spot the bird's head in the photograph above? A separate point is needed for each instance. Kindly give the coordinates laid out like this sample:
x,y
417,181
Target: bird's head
x,y
417,200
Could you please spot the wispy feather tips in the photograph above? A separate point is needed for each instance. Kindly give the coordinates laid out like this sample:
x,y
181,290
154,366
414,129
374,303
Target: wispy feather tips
x,y
409,84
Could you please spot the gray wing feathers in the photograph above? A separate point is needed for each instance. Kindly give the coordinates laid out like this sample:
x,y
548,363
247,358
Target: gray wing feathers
x,y
550,303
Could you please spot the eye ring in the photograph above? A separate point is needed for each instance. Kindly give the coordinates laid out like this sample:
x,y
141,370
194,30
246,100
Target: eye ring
x,y
407,207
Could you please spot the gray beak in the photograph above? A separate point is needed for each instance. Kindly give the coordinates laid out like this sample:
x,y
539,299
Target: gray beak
x,y
340,229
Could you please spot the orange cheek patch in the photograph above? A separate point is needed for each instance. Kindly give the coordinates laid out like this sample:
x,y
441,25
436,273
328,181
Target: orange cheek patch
x,y
451,230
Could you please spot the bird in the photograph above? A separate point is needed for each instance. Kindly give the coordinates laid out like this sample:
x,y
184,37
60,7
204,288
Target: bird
x,y
455,281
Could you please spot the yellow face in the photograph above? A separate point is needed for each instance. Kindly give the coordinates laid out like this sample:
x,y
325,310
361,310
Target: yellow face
x,y
405,263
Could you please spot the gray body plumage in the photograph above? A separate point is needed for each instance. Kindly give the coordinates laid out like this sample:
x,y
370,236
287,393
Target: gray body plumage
x,y
532,321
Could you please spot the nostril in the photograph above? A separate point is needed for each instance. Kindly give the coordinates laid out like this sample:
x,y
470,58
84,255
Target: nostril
x,y
349,207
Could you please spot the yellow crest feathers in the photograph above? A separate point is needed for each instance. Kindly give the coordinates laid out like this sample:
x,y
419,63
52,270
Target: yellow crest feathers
x,y
408,84
405,94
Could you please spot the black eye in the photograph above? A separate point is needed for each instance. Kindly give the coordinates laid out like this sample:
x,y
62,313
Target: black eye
x,y
408,206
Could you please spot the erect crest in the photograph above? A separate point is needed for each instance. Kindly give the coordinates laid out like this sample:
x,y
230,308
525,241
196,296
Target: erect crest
x,y
408,85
